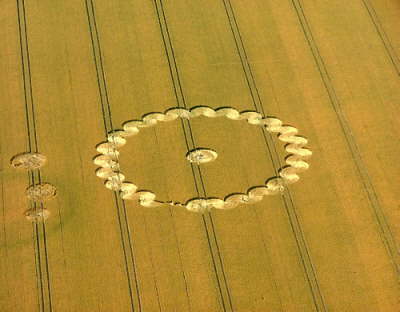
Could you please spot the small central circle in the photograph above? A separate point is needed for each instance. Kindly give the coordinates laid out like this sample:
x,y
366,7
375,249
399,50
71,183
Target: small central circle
x,y
201,155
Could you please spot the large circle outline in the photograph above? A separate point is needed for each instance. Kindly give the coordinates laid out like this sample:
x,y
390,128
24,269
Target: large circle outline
x,y
109,168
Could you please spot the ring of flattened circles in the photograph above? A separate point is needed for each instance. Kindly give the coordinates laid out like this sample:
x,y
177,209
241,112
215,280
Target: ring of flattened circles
x,y
109,168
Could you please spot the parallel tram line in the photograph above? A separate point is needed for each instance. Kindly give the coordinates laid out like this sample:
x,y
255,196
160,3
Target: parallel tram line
x,y
125,232
38,268
3,215
39,284
179,252
288,202
390,51
153,270
384,229
47,270
39,231
223,288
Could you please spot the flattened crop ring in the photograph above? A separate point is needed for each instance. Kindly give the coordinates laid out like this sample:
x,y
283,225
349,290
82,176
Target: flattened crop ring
x,y
109,167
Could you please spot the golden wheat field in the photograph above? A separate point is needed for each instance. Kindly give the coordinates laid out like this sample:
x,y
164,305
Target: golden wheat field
x,y
80,78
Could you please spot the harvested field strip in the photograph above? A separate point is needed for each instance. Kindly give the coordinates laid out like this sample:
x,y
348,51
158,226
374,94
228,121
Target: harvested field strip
x,y
386,233
290,38
127,245
270,145
34,177
74,170
16,259
222,283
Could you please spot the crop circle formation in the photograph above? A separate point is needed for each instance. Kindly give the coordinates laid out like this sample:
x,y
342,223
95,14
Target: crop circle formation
x,y
109,168
28,161
41,192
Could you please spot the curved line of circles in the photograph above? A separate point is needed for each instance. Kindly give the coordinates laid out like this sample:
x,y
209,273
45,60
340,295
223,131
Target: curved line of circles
x,y
109,168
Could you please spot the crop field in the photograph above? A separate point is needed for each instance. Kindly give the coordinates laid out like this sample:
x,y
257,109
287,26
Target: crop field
x,y
73,72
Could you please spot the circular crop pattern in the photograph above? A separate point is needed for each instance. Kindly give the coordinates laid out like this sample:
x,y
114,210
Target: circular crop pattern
x,y
109,168
28,161
41,192
37,214
201,155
